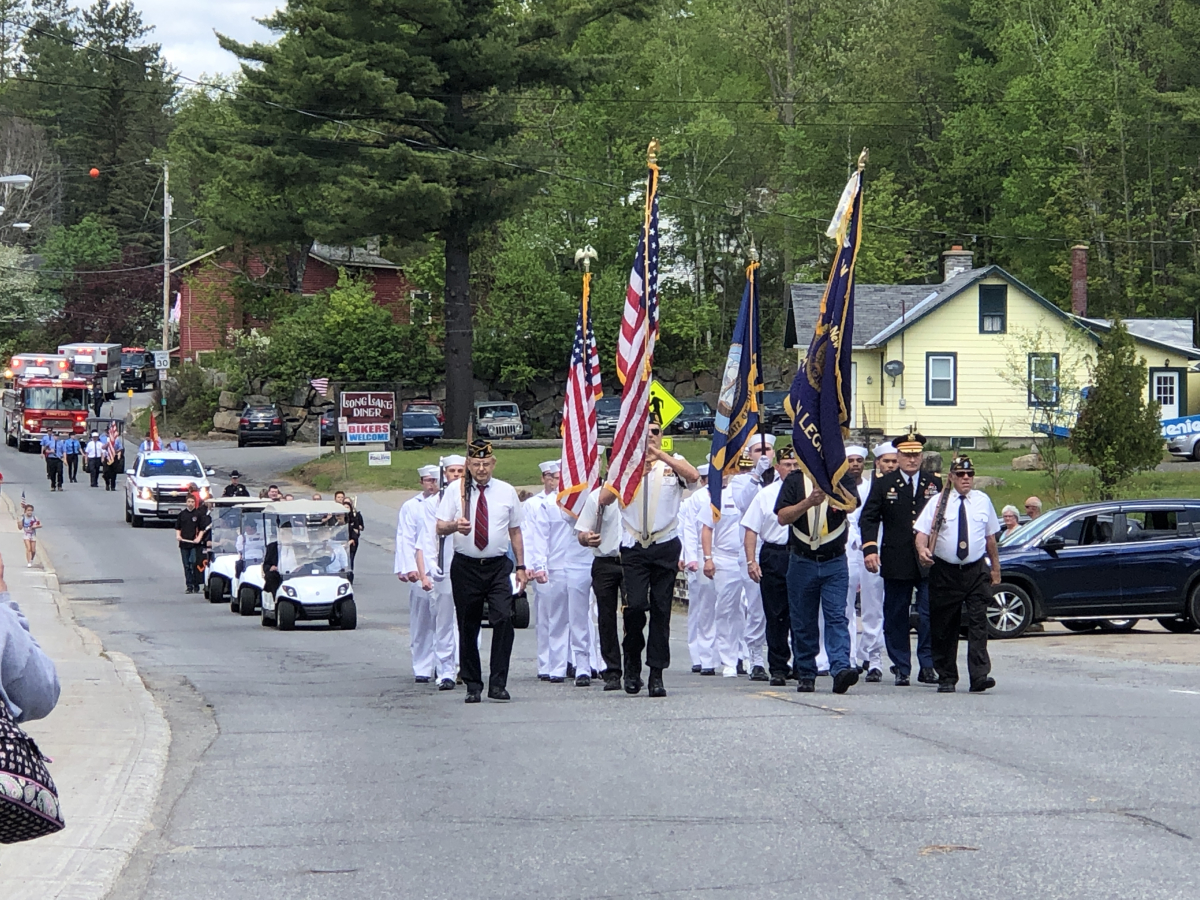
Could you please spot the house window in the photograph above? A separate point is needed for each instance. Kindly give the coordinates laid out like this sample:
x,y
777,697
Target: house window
x,y
941,379
993,308
1043,379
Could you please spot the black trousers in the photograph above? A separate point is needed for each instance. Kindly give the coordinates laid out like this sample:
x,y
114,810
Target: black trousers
x,y
111,471
72,466
773,560
54,471
608,577
950,588
649,589
473,581
93,469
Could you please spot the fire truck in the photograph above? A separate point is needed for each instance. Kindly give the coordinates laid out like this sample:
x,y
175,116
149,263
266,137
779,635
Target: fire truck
x,y
92,361
45,396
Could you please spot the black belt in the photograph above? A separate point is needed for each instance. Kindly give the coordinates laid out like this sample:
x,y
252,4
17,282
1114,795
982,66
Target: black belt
x,y
778,548
478,560
938,561
819,557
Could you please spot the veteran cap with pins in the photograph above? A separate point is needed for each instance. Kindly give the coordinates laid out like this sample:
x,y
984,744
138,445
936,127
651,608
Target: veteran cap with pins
x,y
962,464
479,450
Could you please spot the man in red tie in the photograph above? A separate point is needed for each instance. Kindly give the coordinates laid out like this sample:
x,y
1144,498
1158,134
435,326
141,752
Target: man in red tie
x,y
484,516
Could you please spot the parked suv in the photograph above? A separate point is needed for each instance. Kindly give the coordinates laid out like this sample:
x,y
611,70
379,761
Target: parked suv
x,y
608,411
262,424
158,485
774,415
697,418
500,419
137,369
1110,562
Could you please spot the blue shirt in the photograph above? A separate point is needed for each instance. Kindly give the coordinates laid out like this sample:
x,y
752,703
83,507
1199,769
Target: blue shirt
x,y
53,446
72,446
177,444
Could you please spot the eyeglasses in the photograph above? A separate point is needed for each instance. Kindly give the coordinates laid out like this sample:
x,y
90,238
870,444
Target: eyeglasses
x,y
963,474
655,432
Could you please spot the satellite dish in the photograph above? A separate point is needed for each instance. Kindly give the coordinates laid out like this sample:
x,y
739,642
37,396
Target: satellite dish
x,y
893,367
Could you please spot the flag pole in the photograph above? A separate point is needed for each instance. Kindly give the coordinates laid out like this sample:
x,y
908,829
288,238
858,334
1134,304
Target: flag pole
x,y
652,165
585,255
757,388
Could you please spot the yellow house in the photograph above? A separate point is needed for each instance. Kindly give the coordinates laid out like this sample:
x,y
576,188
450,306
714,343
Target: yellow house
x,y
983,353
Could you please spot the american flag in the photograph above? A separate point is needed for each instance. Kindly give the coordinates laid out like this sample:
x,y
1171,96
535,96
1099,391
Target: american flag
x,y
635,354
580,471
320,385
110,448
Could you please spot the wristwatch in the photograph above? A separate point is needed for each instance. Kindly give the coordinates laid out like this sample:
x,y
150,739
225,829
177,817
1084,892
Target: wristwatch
x,y
520,568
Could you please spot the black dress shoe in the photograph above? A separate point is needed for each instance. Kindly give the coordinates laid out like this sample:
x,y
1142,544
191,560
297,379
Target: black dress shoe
x,y
655,685
927,676
874,676
556,679
422,679
901,681
708,671
445,685
473,697
778,681
695,670
543,678
612,682
595,674
806,686
946,687
758,673
741,668
583,681
498,694
570,670
844,680
633,684
978,687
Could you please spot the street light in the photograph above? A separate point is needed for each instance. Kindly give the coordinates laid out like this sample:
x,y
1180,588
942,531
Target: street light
x,y
21,226
20,182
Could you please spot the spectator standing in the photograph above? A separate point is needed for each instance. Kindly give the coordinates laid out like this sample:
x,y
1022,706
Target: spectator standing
x,y
354,521
28,680
29,527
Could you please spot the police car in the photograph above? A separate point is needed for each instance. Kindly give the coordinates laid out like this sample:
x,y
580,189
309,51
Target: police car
x,y
158,485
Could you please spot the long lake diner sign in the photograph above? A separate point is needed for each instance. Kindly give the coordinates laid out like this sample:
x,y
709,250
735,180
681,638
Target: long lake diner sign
x,y
369,416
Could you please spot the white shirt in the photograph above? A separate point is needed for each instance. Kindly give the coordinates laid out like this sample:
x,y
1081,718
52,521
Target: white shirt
x,y
727,544
981,522
853,533
410,523
762,520
251,547
504,512
664,492
431,544
531,535
689,526
610,525
94,449
557,546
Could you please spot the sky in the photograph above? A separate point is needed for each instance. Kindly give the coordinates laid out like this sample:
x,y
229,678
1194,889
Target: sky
x,y
186,30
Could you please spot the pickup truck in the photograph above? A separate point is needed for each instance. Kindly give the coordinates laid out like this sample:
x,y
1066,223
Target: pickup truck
x,y
158,485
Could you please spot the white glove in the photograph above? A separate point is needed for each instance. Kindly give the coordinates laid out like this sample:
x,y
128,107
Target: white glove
x,y
764,463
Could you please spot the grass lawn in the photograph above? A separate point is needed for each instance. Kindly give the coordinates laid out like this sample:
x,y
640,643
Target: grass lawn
x,y
518,465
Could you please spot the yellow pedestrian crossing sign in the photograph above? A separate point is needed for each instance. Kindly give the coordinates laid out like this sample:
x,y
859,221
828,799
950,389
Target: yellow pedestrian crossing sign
x,y
663,405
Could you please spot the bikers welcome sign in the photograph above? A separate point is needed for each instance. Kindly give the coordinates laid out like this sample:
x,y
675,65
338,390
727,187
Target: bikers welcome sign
x,y
369,416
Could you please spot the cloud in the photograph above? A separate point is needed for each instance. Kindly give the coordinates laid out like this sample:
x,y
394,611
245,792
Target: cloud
x,y
187,31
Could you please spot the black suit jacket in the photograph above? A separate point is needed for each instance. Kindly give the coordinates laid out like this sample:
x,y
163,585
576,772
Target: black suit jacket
x,y
893,504
271,580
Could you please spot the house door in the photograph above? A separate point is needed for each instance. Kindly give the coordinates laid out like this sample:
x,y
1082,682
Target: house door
x,y
1166,392
853,395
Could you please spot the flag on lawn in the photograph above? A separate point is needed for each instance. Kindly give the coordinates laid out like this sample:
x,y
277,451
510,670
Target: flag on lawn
x,y
155,443
820,393
635,351
320,385
580,471
741,392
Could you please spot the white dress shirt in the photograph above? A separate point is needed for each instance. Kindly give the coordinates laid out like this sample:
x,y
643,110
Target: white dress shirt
x,y
529,534
431,543
727,542
689,526
663,492
504,512
762,520
410,524
853,534
610,525
557,546
94,449
981,522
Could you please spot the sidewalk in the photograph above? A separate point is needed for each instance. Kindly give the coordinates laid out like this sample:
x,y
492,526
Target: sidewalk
x,y
107,736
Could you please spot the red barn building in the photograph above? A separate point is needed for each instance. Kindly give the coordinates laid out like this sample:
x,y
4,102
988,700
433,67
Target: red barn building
x,y
209,308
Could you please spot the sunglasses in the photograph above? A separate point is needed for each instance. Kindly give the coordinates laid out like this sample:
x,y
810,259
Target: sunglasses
x,y
655,431
963,474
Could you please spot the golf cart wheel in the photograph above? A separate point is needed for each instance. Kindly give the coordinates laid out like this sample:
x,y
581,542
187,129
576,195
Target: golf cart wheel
x,y
247,600
520,611
1009,612
216,588
285,615
1118,624
1080,625
346,617
1178,624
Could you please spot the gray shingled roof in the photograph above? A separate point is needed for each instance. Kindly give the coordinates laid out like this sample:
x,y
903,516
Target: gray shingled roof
x,y
351,256
1166,332
875,307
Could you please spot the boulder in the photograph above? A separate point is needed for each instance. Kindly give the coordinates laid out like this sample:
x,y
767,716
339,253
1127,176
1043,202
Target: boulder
x,y
983,482
256,400
546,407
218,435
300,396
228,400
1030,462
685,389
932,462
308,431
707,383
542,390
710,397
226,420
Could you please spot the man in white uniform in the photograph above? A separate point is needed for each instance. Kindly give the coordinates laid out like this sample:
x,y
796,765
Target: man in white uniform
x,y
410,531
434,555
724,565
562,570
766,547
856,458
760,453
702,595
541,609
870,588
650,549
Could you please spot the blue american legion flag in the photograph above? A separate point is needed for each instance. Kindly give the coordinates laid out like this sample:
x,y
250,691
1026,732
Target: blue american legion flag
x,y
635,353
741,392
580,471
820,394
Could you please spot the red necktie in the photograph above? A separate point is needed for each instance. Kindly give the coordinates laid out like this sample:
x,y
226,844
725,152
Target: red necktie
x,y
481,520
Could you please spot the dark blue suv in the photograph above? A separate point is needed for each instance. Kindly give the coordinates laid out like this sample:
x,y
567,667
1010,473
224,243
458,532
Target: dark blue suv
x,y
1121,560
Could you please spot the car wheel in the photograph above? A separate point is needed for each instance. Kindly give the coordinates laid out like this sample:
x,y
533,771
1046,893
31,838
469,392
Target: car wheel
x,y
347,615
216,588
1117,624
285,615
247,600
283,439
1193,607
135,520
1178,624
241,442
520,611
1080,625
128,512
1009,612
1196,451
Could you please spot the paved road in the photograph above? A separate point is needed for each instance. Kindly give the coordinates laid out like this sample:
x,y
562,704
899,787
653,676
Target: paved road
x,y
308,765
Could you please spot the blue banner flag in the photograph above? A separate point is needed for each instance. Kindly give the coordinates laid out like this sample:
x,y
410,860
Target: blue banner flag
x,y
820,394
741,393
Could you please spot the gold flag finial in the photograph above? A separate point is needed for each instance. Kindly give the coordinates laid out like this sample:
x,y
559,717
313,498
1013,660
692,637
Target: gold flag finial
x,y
862,159
753,253
585,255
652,151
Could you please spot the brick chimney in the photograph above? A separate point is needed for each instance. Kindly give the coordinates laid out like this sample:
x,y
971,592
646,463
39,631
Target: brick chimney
x,y
1079,279
955,261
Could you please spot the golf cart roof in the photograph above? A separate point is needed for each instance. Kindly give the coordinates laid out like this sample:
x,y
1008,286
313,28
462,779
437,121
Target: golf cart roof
x,y
250,502
305,508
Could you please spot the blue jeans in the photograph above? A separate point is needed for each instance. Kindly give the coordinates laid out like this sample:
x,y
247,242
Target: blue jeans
x,y
816,588
897,598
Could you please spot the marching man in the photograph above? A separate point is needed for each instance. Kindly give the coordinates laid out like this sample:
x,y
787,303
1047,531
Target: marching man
x,y
702,595
410,531
870,644
533,552
601,530
433,556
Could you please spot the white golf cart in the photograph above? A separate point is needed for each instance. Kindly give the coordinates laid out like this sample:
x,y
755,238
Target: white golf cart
x,y
222,570
251,547
307,563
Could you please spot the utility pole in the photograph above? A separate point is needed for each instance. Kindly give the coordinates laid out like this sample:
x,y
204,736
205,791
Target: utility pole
x,y
166,333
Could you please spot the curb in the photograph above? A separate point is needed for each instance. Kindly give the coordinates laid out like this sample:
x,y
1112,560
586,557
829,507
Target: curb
x,y
84,863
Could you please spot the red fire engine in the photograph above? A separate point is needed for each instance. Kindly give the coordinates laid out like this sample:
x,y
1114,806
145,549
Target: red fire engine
x,y
45,396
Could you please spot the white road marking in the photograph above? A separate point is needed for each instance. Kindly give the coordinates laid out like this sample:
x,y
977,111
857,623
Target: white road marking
x,y
1181,691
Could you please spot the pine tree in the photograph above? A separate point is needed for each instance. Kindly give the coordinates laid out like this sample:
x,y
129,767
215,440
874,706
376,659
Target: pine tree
x,y
1118,432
